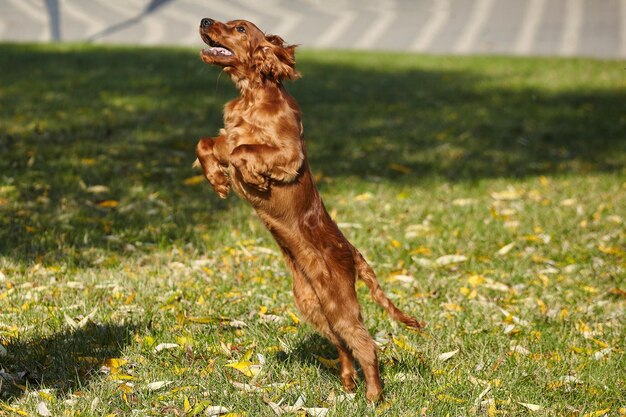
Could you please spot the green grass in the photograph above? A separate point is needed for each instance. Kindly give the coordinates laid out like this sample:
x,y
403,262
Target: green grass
x,y
518,165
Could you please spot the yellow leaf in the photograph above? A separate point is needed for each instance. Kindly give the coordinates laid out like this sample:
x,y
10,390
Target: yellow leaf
x,y
115,362
610,250
329,363
597,413
121,377
475,280
201,320
445,356
364,197
289,329
599,342
13,409
125,388
583,328
262,310
186,404
45,395
195,180
449,398
590,289
452,307
148,341
247,368
88,161
399,168
247,356
422,250
531,407
108,203
395,243
403,344
293,317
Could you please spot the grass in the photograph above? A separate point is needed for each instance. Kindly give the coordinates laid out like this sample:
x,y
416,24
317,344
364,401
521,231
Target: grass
x,y
111,246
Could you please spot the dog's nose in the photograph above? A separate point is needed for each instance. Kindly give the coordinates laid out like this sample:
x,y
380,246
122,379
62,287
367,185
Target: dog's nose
x,y
206,22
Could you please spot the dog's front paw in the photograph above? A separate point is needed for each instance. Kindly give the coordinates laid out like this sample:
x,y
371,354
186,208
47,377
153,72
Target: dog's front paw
x,y
250,174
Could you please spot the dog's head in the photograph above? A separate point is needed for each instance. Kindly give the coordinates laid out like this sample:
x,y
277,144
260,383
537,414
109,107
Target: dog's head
x,y
245,52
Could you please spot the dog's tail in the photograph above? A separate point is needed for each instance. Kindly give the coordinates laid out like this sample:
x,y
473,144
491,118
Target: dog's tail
x,y
368,276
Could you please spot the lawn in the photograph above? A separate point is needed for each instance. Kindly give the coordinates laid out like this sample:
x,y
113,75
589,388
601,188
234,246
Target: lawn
x,y
489,194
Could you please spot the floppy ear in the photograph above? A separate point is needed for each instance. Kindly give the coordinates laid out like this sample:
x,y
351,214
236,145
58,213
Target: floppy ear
x,y
276,61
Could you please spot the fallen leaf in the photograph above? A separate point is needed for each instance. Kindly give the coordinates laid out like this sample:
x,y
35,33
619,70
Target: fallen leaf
x,y
97,189
507,195
519,349
164,346
505,249
237,324
597,413
196,179
42,409
531,407
247,368
364,197
215,410
601,353
328,363
108,203
445,356
405,279
399,168
157,385
13,409
450,259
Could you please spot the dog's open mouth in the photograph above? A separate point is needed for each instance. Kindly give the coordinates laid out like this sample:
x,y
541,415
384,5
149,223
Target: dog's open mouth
x,y
216,49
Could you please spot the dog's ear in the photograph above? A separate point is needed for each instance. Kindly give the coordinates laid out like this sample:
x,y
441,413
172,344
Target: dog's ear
x,y
276,61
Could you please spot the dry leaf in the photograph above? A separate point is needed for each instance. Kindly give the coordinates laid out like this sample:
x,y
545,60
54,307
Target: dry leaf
x,y
164,346
445,356
531,407
157,385
519,349
505,249
215,410
601,353
247,368
42,409
405,279
450,259
597,413
97,189
509,194
108,203
329,363
196,179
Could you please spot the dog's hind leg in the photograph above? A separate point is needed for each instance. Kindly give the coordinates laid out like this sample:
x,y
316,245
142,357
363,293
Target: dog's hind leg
x,y
338,305
309,304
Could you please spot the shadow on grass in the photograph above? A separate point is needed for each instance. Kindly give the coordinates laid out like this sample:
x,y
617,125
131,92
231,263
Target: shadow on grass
x,y
65,361
97,142
312,345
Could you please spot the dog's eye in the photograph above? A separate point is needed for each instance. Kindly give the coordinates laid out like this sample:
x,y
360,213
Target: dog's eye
x,y
241,29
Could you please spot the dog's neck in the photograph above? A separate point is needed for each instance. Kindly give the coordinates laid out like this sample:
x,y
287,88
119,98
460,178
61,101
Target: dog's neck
x,y
250,88
247,84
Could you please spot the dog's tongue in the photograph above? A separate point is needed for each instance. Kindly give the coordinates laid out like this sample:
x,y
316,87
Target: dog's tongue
x,y
217,51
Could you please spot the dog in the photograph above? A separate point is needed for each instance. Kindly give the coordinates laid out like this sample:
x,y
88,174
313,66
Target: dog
x,y
260,154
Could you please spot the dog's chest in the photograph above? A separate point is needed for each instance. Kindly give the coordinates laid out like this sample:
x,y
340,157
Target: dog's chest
x,y
243,126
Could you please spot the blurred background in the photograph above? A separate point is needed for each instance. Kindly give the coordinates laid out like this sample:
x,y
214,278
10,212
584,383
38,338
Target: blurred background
x,y
590,28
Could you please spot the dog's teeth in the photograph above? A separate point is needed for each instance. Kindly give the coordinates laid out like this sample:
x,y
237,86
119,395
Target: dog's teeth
x,y
219,51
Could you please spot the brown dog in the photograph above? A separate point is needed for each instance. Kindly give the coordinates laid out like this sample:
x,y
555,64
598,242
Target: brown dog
x,y
260,154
